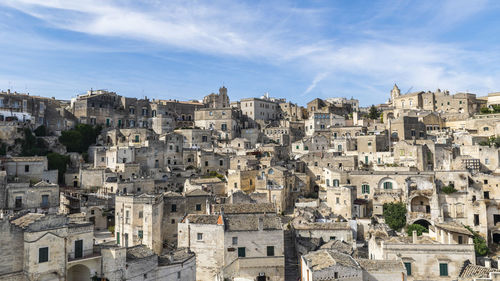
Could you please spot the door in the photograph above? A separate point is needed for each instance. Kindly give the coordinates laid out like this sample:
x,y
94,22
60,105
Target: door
x,y
78,249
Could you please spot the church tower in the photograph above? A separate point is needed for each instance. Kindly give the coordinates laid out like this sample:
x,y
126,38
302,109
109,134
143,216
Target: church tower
x,y
395,93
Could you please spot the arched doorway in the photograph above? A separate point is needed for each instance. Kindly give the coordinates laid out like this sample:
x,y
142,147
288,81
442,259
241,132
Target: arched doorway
x,y
79,272
423,223
420,204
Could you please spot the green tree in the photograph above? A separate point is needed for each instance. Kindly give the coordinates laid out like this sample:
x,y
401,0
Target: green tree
x,y
480,246
59,162
72,140
41,131
417,227
373,113
31,145
395,215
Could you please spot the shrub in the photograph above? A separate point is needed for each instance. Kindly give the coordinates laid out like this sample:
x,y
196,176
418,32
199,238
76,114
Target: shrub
x,y
419,228
480,246
448,189
111,229
395,215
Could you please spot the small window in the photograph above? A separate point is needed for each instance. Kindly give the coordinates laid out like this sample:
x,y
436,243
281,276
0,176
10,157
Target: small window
x,y
199,236
365,188
476,219
172,221
235,240
486,195
178,275
140,234
387,185
408,268
460,239
140,214
27,168
241,252
43,254
198,207
173,208
270,251
443,269
92,212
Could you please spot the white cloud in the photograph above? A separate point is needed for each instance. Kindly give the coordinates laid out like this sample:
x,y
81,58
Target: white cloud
x,y
289,36
315,82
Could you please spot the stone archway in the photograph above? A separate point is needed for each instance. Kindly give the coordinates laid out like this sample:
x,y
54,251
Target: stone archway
x,y
423,222
420,204
79,272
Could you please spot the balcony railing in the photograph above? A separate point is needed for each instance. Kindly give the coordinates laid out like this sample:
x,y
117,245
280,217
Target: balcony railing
x,y
86,254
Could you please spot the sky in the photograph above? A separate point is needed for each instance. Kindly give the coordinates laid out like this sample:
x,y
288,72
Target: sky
x,y
298,50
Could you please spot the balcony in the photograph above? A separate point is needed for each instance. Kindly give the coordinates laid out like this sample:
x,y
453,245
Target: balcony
x,y
93,253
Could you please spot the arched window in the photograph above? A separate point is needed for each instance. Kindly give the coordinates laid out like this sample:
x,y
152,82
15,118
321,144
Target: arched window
x,y
335,182
365,188
387,185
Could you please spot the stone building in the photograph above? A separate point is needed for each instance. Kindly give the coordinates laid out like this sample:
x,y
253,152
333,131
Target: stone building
x,y
225,122
33,168
138,221
35,111
41,197
235,246
220,100
424,258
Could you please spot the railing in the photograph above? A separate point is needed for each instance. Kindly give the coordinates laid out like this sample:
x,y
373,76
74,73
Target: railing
x,y
86,254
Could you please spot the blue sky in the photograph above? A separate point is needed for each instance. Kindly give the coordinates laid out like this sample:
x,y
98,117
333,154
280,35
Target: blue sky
x,y
293,49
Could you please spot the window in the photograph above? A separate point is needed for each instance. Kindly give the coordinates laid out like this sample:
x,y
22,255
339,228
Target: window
x,y
235,185
118,238
19,202
92,212
173,208
140,234
223,127
485,181
221,162
337,200
336,182
476,219
443,269
199,236
43,254
178,275
365,188
27,168
140,214
486,195
198,207
486,128
408,268
270,251
460,239
387,185
45,201
136,138
241,252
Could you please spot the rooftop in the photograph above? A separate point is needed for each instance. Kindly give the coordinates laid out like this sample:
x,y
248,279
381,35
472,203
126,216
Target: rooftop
x,y
138,252
245,208
250,222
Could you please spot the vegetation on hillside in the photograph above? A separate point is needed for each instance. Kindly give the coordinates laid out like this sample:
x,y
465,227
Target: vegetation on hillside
x,y
395,215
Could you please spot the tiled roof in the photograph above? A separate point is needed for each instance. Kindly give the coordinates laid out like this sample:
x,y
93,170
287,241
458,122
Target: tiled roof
x,y
27,219
138,252
250,222
323,259
245,208
454,227
381,265
202,219
475,271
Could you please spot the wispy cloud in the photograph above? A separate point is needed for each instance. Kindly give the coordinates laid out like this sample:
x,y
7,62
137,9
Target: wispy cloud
x,y
315,82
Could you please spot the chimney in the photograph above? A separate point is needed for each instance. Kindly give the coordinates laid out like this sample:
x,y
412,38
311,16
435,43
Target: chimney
x,y
487,263
414,236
